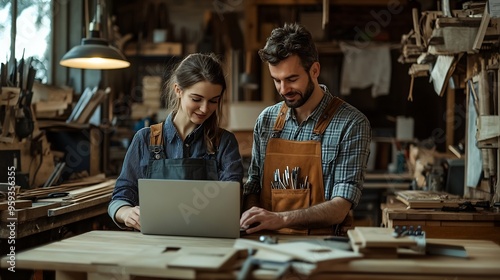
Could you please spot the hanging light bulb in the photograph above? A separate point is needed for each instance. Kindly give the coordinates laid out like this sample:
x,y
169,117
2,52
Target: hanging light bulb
x,y
94,51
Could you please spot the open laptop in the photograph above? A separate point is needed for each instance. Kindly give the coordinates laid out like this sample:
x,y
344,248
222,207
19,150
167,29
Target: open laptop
x,y
190,208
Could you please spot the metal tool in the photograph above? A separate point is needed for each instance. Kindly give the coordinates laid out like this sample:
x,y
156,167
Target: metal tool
x,y
289,179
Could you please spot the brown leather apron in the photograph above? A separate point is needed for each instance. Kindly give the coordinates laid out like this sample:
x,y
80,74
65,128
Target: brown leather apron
x,y
306,155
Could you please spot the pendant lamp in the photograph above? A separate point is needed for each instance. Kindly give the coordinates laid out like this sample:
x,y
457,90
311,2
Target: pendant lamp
x,y
95,52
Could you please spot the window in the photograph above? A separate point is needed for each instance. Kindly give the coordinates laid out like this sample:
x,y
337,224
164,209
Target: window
x,y
33,33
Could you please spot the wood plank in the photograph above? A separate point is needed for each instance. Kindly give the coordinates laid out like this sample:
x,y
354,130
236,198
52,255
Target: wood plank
x,y
485,21
372,237
75,193
78,206
18,204
63,187
41,224
217,259
416,26
31,213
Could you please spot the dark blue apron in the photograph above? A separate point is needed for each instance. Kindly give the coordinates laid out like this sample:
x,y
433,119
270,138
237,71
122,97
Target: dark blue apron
x,y
160,167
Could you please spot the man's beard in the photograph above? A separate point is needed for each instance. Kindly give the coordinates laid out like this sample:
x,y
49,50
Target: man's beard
x,y
303,96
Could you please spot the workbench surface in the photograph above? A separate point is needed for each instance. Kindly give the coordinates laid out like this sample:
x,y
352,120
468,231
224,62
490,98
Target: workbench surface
x,y
127,254
483,224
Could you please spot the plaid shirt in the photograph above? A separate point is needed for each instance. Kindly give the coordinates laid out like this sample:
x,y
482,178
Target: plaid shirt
x,y
344,147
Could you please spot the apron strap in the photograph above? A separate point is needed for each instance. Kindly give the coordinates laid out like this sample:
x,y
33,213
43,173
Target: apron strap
x,y
156,138
280,120
321,125
327,116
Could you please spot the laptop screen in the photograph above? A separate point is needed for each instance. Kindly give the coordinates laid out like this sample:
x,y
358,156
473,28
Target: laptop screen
x,y
190,208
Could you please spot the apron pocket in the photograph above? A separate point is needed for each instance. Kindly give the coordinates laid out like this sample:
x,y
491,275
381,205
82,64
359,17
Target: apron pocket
x,y
290,199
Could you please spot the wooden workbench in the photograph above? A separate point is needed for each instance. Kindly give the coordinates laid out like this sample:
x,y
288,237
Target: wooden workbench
x,y
34,223
439,224
132,255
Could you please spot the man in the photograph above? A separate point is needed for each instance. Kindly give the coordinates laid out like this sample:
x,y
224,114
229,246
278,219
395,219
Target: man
x,y
310,151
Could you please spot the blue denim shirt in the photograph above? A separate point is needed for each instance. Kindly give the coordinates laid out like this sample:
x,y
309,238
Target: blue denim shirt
x,y
136,160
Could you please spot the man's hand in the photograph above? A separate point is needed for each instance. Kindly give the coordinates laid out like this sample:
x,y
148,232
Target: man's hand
x,y
324,214
262,219
129,216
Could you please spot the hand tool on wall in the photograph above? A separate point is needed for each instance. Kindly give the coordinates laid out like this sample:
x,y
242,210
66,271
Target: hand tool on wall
x,y
24,117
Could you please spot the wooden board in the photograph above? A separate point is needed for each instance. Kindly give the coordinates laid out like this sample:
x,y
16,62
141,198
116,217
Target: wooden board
x,y
19,204
78,206
30,213
305,251
373,237
201,259
379,253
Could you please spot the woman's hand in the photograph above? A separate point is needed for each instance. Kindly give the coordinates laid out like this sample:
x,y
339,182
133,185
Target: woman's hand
x,y
129,216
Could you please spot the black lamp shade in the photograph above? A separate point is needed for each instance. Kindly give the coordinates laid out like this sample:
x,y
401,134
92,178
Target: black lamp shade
x,y
94,53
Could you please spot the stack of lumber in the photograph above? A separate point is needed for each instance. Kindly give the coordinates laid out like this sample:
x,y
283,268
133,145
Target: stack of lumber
x,y
151,98
75,196
51,101
43,209
410,49
71,188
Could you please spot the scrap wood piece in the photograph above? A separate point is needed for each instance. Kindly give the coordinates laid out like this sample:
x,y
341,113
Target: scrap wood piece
x,y
78,206
419,70
485,21
91,189
108,192
374,237
30,213
197,258
18,204
75,192
416,26
91,197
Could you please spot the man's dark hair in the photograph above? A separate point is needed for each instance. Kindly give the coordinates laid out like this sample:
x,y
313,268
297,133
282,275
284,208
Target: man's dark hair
x,y
288,40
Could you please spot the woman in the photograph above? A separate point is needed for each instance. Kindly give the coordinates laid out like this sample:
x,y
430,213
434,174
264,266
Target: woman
x,y
189,145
